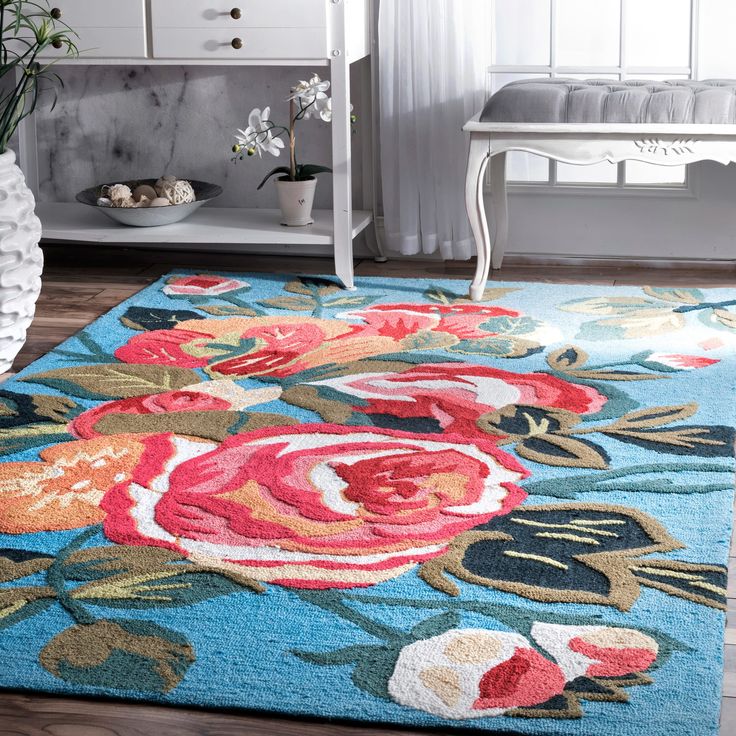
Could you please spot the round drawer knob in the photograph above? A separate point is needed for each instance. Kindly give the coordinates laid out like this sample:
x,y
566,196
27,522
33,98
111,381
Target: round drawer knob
x,y
237,43
236,13
56,13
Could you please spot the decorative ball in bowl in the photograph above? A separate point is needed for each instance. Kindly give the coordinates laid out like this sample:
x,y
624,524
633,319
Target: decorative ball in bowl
x,y
133,203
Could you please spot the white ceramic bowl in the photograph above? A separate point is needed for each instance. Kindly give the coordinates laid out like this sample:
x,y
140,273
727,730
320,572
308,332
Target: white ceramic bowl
x,y
150,216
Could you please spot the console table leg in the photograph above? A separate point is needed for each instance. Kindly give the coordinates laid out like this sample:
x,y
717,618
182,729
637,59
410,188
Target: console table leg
x,y
341,151
475,205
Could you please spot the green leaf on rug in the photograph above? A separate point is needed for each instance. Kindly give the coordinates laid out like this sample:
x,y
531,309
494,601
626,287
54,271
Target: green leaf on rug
x,y
132,655
148,318
18,604
115,380
563,451
675,295
500,346
97,563
229,310
165,587
16,564
684,478
560,553
291,303
444,296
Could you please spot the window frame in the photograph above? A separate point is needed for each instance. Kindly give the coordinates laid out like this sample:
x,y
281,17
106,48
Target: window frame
x,y
620,187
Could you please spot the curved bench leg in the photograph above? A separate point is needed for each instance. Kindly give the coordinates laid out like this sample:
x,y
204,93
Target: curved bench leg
x,y
500,202
478,157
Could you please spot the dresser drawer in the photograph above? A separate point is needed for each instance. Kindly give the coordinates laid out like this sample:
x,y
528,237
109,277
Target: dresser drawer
x,y
106,28
239,13
257,43
101,13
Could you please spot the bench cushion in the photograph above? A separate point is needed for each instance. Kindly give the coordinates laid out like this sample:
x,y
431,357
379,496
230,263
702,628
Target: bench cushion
x,y
606,101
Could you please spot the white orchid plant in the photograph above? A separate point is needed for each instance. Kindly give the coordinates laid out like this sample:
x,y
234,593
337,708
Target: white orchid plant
x,y
308,99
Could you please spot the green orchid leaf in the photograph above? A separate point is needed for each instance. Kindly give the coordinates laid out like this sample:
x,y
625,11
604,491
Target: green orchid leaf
x,y
122,654
278,170
308,171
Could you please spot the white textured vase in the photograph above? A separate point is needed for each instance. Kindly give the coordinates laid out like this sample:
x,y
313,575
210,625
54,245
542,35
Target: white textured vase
x,y
21,259
296,199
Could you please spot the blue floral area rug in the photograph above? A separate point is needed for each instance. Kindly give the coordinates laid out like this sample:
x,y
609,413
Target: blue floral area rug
x,y
390,505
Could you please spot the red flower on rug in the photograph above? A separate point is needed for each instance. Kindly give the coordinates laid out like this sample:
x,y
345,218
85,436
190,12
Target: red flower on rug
x,y
164,347
455,395
401,320
314,506
204,285
473,673
220,395
262,346
597,651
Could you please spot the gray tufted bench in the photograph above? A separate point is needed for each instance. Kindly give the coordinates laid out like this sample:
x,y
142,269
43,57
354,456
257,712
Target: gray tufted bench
x,y
586,122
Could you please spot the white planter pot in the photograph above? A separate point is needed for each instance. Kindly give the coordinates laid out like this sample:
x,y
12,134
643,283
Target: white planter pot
x,y
21,260
296,199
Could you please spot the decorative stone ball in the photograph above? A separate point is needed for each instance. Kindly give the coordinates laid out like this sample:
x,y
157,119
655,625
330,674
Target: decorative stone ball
x,y
120,195
178,192
159,186
144,190
160,202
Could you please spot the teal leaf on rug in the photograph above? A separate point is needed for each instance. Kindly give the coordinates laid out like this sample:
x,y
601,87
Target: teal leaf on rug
x,y
115,381
121,654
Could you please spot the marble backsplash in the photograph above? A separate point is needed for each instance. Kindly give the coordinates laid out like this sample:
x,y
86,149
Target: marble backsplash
x,y
116,123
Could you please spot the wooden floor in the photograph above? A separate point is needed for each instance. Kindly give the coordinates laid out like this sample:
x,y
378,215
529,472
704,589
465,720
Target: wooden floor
x,y
82,283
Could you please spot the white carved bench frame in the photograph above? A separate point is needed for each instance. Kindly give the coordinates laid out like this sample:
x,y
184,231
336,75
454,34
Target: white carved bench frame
x,y
666,145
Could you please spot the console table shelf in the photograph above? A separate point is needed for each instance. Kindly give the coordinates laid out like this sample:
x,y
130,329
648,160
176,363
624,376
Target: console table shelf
x,y
215,225
315,33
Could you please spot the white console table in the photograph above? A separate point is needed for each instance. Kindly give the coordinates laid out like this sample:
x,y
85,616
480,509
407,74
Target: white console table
x,y
311,33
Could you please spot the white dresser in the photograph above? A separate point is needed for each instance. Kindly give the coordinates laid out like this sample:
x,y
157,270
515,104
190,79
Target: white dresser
x,y
331,34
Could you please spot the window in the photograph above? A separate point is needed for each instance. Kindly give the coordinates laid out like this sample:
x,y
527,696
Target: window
x,y
603,39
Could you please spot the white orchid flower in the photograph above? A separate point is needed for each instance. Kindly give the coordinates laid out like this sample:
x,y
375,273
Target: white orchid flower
x,y
309,92
257,137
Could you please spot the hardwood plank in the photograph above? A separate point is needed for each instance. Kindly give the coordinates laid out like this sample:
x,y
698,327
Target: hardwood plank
x,y
38,715
728,717
729,675
732,577
731,622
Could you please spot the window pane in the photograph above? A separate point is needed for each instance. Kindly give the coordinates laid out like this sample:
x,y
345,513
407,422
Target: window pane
x,y
667,46
639,173
588,32
522,167
603,173
522,32
716,58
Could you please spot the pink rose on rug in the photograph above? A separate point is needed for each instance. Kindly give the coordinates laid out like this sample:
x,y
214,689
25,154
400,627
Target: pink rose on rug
x,y
313,506
203,285
208,396
456,395
262,346
597,651
163,347
463,321
473,673
677,362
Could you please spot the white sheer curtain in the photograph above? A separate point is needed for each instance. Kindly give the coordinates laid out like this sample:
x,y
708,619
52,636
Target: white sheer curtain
x,y
433,60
